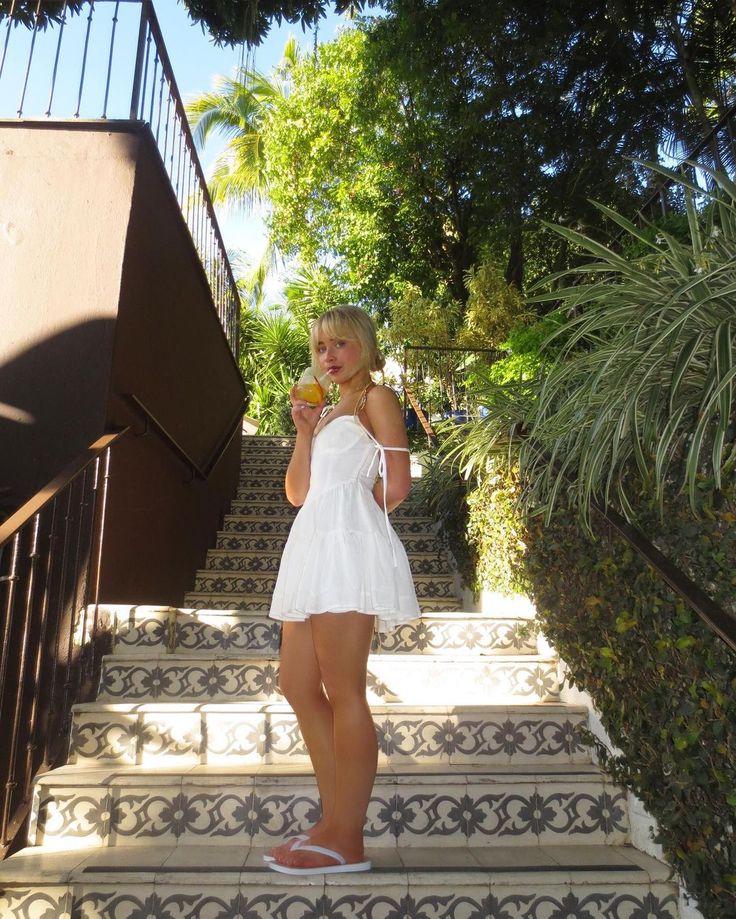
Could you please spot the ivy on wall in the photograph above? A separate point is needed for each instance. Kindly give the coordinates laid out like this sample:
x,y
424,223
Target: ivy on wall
x,y
664,683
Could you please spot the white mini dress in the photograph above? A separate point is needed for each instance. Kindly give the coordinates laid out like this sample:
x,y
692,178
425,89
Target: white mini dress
x,y
342,554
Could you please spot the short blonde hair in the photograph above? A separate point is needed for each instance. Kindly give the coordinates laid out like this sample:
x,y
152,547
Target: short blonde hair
x,y
354,324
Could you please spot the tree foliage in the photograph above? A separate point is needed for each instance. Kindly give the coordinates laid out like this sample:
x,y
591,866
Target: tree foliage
x,y
445,130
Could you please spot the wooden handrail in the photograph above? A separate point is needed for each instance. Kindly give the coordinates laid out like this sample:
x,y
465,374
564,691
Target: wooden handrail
x,y
720,621
421,417
24,513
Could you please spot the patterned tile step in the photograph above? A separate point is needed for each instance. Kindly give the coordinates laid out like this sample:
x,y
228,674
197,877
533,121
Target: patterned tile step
x,y
416,546
130,806
242,560
273,524
406,678
268,734
265,482
210,882
278,507
262,602
138,629
256,582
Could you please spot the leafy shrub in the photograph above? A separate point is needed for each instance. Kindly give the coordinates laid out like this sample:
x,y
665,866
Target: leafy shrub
x,y
495,530
664,683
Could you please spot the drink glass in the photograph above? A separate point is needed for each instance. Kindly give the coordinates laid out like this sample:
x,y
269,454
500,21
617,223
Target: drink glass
x,y
312,387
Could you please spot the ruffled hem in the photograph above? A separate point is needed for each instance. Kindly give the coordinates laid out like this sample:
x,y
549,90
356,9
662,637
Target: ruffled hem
x,y
386,620
340,558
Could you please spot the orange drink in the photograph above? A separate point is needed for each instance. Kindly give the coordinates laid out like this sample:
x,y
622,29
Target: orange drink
x,y
312,388
310,392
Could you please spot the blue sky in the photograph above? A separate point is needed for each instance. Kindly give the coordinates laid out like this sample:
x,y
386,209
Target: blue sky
x,y
28,67
197,62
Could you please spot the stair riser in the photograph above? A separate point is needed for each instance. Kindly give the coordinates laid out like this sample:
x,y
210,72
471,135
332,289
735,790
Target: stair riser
x,y
426,586
278,507
183,632
411,680
403,814
273,738
256,894
270,525
261,603
250,563
414,545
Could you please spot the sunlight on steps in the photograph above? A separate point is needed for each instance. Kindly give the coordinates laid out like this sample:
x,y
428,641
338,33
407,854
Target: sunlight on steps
x,y
189,765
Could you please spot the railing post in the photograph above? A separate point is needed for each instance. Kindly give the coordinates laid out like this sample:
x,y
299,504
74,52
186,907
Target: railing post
x,y
139,57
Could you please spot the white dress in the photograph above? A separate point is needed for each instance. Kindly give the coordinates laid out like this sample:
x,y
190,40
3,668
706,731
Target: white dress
x,y
342,554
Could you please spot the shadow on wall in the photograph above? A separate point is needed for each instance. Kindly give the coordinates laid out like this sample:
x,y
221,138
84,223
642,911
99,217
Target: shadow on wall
x,y
53,401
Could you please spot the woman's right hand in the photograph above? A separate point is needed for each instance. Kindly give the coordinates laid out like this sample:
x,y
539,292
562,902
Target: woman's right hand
x,y
304,414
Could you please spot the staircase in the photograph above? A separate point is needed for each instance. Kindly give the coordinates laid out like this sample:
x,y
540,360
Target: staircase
x,y
190,765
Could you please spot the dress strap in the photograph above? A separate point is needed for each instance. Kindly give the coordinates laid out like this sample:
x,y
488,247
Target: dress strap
x,y
362,400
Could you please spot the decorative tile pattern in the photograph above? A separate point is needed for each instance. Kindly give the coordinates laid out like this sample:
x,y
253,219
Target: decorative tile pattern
x,y
210,680
273,737
260,583
481,636
141,902
459,815
28,902
406,679
260,526
247,560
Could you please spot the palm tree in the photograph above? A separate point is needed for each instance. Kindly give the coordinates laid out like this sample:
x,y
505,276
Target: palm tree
x,y
238,109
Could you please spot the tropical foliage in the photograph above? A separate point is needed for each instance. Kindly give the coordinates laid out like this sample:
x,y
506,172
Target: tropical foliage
x,y
664,684
640,369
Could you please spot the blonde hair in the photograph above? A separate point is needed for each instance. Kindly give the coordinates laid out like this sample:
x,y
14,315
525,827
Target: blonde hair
x,y
354,324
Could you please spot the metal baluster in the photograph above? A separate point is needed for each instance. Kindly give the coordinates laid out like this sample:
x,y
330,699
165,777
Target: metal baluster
x,y
56,59
109,63
22,653
145,74
153,87
160,100
63,607
98,560
179,166
38,690
59,610
166,124
84,56
11,579
80,593
138,68
30,58
50,557
8,26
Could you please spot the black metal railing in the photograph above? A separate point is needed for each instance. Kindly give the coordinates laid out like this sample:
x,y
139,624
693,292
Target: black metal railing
x,y
435,381
109,61
52,636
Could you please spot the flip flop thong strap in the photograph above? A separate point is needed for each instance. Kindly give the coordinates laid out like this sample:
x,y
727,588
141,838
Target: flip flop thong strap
x,y
320,850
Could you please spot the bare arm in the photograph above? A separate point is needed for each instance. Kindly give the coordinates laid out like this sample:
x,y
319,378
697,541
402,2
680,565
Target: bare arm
x,y
383,412
305,418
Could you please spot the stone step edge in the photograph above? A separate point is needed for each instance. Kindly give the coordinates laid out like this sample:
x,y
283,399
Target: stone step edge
x,y
157,775
378,708
80,866
425,659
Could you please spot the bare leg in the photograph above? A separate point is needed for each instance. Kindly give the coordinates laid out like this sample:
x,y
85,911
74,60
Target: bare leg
x,y
342,644
300,682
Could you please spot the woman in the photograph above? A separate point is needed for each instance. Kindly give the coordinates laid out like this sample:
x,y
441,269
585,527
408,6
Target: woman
x,y
343,569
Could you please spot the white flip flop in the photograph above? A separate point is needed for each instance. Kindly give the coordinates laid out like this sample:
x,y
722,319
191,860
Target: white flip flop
x,y
342,866
293,841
